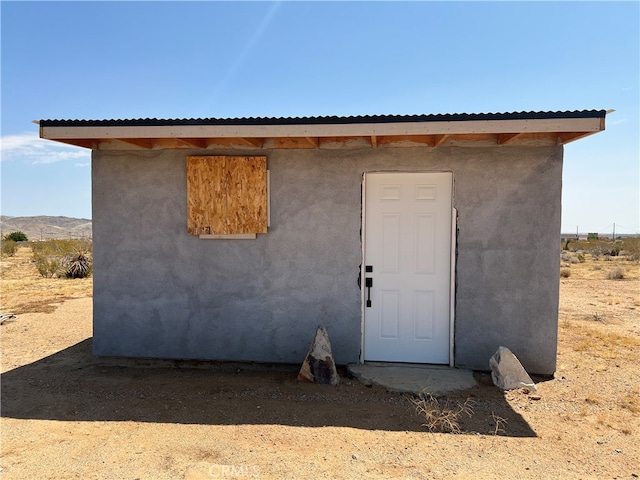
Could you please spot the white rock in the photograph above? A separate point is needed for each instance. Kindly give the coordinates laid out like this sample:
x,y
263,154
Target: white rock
x,y
507,372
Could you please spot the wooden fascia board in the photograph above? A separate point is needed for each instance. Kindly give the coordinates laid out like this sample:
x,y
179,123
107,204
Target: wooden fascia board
x,y
553,125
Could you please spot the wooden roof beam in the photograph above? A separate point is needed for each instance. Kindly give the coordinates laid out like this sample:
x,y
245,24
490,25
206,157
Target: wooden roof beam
x,y
313,141
138,142
194,142
440,139
179,143
294,142
504,138
251,142
374,140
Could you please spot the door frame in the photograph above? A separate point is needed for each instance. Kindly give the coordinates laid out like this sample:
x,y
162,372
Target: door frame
x,y
453,252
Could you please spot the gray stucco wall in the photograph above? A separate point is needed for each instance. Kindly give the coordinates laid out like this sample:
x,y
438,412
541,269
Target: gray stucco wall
x,y
159,292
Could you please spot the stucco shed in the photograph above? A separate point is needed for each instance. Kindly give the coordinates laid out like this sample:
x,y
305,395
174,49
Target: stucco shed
x,y
422,238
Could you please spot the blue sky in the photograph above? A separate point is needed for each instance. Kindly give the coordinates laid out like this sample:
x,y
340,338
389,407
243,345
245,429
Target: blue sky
x,y
96,60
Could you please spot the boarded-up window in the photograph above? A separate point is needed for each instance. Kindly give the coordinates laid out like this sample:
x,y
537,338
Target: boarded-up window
x,y
226,195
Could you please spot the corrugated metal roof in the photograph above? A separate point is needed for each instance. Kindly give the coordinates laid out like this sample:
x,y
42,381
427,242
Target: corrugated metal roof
x,y
329,120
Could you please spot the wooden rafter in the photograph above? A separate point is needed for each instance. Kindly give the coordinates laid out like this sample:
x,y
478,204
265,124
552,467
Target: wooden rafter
x,y
374,140
504,138
81,142
440,139
194,142
313,141
391,140
255,142
180,143
138,142
292,142
567,137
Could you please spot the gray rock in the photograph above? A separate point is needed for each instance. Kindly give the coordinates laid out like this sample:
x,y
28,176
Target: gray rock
x,y
318,366
507,372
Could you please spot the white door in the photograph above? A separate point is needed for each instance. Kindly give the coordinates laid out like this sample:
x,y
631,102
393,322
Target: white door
x,y
407,267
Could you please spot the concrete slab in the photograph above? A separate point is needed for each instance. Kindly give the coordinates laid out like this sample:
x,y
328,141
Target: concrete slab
x,y
412,378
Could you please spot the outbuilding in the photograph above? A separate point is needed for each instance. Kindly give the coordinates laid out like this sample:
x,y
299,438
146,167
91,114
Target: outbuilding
x,y
429,239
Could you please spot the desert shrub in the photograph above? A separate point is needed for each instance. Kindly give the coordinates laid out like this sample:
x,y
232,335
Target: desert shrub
x,y
631,246
565,272
62,247
572,258
9,247
616,274
48,266
566,257
16,237
63,258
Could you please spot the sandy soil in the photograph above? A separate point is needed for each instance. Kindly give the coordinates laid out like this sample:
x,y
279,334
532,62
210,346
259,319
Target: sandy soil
x,y
66,414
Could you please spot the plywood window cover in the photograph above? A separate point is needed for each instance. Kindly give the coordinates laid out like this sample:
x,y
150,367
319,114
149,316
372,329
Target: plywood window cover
x,y
227,196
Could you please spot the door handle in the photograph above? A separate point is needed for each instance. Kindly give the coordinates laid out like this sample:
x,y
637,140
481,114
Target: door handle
x,y
368,282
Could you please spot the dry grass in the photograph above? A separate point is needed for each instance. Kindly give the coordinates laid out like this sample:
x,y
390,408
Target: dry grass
x,y
442,415
24,290
499,422
631,401
609,345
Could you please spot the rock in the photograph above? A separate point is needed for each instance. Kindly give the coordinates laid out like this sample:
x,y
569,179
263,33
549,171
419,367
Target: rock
x,y
318,366
7,317
507,372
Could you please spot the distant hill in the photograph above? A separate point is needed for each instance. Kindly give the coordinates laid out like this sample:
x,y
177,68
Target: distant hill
x,y
44,228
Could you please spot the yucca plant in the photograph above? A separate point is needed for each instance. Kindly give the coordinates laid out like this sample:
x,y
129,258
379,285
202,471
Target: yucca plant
x,y
79,266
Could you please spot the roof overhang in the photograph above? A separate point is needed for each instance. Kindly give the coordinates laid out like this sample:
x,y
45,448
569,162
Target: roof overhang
x,y
546,128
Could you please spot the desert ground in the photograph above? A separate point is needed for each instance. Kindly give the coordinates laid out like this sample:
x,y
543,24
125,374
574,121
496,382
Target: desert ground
x,y
66,414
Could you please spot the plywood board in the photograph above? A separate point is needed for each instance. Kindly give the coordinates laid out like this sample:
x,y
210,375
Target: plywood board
x,y
226,195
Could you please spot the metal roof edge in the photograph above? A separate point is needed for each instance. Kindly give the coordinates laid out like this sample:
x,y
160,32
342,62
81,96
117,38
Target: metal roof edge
x,y
328,120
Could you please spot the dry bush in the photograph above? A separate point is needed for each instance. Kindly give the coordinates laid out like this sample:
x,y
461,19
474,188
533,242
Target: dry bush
x,y
616,274
631,247
48,266
597,317
565,272
63,258
441,415
9,247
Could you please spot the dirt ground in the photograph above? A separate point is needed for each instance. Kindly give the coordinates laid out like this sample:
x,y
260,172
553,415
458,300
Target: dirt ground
x,y
66,414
